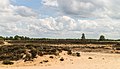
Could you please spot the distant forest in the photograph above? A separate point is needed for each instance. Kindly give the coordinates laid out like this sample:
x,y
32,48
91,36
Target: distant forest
x,y
82,38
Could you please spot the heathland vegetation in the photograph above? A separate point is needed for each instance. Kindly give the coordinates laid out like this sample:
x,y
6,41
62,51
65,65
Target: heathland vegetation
x,y
26,48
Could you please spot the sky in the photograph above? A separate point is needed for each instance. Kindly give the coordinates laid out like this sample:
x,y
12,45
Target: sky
x,y
60,18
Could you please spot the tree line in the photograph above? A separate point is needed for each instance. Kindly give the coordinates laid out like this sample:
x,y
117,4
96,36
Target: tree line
x,y
83,37
16,37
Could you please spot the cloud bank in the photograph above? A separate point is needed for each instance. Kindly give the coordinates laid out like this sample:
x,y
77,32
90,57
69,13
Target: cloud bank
x,y
73,17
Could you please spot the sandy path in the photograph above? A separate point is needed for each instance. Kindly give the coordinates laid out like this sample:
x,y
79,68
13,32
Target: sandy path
x,y
98,61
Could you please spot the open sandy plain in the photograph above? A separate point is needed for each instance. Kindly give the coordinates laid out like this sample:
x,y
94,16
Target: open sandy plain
x,y
87,60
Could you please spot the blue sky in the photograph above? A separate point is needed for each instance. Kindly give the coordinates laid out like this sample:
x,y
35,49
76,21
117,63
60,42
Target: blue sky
x,y
60,18
37,6
34,4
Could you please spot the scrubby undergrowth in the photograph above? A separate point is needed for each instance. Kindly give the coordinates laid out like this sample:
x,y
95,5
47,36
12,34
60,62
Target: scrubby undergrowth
x,y
29,52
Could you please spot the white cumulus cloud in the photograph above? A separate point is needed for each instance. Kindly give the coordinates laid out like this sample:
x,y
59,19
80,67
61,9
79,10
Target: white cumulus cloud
x,y
93,17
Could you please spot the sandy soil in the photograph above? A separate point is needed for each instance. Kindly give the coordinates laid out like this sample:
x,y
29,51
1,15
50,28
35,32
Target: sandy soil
x,y
98,61
6,43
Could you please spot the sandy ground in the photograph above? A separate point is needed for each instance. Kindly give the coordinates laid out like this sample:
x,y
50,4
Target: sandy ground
x,y
6,43
98,61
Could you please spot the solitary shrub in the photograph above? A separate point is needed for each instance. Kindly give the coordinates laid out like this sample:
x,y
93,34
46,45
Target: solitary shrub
x,y
90,58
7,62
69,52
41,62
45,61
78,54
61,59
51,57
40,53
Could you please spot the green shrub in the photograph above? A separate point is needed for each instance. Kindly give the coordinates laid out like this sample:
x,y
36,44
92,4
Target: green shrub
x,y
5,57
7,62
33,52
69,52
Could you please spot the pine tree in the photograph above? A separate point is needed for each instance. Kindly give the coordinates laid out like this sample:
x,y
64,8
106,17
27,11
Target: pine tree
x,y
83,36
102,37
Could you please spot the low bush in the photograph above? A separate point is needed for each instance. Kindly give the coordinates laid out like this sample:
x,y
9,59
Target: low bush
x,y
7,62
69,52
41,62
61,59
33,52
51,57
40,53
90,58
1,42
78,54
117,48
45,61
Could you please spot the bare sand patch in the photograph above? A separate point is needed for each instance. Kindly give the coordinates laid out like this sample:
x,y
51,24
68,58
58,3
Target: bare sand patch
x,y
98,61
